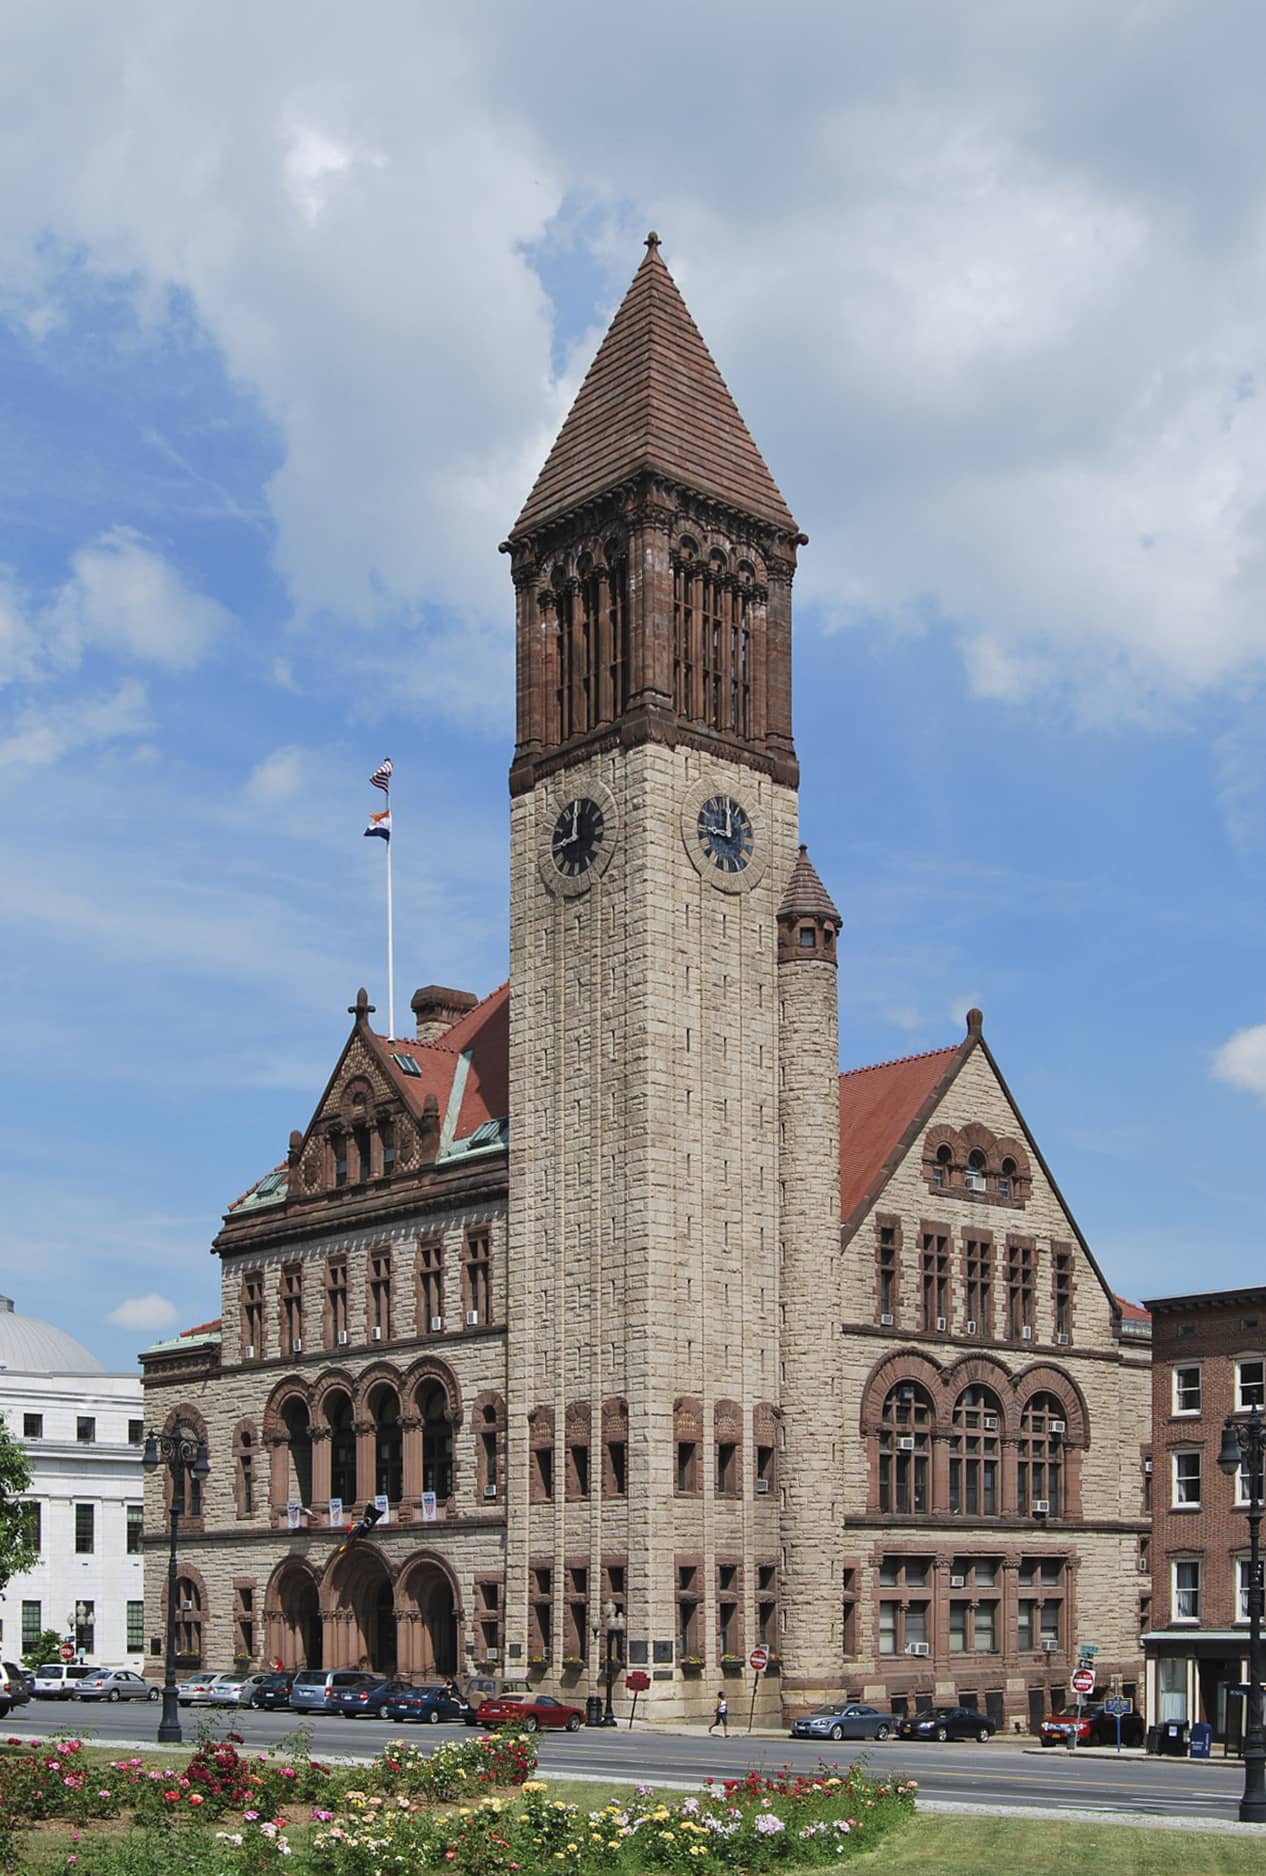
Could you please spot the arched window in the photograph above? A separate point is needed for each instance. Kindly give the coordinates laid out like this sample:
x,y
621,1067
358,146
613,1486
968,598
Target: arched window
x,y
941,1166
294,1416
1006,1178
975,1448
1040,1456
338,1417
437,1440
905,1447
384,1411
974,1177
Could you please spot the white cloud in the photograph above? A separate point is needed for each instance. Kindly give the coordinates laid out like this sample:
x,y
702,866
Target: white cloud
x,y
41,734
123,597
1241,1060
279,777
150,1311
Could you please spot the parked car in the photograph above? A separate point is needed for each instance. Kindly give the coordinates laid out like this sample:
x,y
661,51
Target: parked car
x,y
527,1711
115,1684
948,1723
15,1686
222,1690
55,1680
1092,1726
191,1691
270,1690
426,1705
480,1686
317,1690
838,1721
366,1703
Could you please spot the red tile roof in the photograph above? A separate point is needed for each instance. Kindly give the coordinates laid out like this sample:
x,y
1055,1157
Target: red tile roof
x,y
654,399
877,1105
204,1328
1131,1312
485,1032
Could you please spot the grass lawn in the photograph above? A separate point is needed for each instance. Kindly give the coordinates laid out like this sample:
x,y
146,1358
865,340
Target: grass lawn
x,y
974,1846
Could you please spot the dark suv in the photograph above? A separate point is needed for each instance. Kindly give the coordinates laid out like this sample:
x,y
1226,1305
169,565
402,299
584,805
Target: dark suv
x,y
273,1690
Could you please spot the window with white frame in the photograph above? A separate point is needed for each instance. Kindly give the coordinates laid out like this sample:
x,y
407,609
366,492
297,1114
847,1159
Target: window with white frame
x,y
1186,1589
1187,1479
1250,1384
1243,1583
1187,1390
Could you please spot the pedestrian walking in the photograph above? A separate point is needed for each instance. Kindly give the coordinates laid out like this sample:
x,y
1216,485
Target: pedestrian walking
x,y
721,1717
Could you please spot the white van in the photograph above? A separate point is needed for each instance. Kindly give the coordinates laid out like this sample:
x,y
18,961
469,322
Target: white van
x,y
56,1679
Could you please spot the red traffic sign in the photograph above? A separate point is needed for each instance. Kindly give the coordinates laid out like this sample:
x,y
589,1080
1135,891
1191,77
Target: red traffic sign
x,y
758,1660
1083,1681
67,1651
637,1681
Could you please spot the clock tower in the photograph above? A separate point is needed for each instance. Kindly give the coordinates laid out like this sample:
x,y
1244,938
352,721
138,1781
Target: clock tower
x,y
653,837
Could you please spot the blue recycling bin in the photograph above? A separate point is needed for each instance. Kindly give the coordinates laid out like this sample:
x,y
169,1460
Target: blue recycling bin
x,y
1201,1740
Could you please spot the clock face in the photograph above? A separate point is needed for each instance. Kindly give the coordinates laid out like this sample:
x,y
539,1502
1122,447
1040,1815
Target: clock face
x,y
725,833
578,835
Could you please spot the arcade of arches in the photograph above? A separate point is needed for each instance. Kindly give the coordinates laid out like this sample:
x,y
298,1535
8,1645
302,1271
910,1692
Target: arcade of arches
x,y
357,1615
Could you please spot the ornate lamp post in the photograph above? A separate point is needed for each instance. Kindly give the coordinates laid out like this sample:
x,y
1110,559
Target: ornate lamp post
x,y
181,1453
1243,1450
615,1628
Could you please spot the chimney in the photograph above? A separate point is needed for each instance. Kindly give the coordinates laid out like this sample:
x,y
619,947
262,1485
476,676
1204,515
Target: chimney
x,y
436,1009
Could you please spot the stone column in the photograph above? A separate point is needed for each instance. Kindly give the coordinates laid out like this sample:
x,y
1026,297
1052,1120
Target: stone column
x,y
278,1475
411,1450
365,1480
320,1437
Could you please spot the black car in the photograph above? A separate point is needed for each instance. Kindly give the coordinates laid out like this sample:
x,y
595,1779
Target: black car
x,y
948,1723
273,1691
425,1705
366,1703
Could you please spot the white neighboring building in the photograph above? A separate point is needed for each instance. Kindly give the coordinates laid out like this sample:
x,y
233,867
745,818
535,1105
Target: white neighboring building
x,y
82,1431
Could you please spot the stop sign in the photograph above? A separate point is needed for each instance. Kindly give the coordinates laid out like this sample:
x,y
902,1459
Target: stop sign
x,y
1083,1681
637,1681
67,1651
758,1660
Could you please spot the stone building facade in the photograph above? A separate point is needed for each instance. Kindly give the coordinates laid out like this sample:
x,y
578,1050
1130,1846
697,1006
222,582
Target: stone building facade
x,y
587,1272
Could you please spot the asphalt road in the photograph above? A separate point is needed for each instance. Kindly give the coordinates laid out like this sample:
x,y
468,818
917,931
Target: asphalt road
x,y
1001,1774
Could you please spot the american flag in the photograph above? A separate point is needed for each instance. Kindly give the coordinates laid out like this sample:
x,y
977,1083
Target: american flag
x,y
381,777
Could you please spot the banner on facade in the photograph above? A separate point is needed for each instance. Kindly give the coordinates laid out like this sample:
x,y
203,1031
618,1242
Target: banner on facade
x,y
382,1504
293,1511
336,1513
428,1507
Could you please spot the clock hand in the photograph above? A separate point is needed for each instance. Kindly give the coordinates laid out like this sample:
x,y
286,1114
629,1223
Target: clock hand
x,y
729,822
575,819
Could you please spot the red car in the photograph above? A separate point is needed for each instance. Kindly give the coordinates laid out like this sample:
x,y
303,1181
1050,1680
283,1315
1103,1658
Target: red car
x,y
522,1710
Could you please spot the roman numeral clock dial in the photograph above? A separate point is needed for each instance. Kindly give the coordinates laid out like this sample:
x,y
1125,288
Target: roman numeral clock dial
x,y
725,834
576,837
579,832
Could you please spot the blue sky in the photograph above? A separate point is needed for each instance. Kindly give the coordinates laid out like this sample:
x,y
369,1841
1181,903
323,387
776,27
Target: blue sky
x,y
291,305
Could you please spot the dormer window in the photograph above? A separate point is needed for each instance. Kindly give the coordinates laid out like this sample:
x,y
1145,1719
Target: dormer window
x,y
1006,1178
974,1177
941,1167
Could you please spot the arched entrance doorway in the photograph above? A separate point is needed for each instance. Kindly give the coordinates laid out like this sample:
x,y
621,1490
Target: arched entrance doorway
x,y
428,1620
360,1603
294,1624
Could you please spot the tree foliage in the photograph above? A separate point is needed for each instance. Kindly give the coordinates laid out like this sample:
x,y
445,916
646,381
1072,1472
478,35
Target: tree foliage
x,y
17,1552
44,1648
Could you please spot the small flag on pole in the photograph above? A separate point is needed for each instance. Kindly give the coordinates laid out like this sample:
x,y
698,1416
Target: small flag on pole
x,y
380,824
381,777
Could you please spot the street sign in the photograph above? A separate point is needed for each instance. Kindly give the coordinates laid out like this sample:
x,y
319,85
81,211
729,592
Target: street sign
x,y
1084,1648
637,1681
758,1660
67,1651
1083,1681
1118,1705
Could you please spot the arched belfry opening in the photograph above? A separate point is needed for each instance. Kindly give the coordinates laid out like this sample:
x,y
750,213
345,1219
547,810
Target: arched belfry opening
x,y
361,1613
428,1620
293,1618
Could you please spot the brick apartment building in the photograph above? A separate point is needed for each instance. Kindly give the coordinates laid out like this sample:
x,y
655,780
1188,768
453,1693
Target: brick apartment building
x,y
609,1284
1208,1362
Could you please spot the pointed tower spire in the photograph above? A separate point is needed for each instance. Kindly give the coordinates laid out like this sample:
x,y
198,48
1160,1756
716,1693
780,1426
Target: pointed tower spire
x,y
807,919
654,399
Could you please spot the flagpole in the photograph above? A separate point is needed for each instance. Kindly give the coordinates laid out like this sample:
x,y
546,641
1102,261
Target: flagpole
x,y
391,966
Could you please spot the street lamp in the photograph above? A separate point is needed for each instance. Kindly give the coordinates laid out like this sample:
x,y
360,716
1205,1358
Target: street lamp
x,y
1243,1449
181,1453
615,1628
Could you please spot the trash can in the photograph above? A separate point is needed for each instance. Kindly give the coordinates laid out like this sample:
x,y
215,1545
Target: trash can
x,y
593,1710
1201,1740
1174,1739
1153,1739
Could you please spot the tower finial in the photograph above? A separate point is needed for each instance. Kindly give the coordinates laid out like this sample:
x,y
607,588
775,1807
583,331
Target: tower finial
x,y
652,241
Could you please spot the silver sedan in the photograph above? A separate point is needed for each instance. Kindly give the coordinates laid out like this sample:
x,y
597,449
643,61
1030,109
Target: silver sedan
x,y
115,1684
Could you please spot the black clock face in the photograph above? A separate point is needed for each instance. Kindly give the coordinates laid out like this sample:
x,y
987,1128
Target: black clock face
x,y
725,833
578,835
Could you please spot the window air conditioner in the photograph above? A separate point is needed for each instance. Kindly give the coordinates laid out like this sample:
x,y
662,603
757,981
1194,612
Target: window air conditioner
x,y
248,1353
887,1319
969,1328
958,1582
1059,1426
906,1444
918,1648
1147,1467
186,1608
437,1324
1063,1339
296,1345
990,1423
375,1334
762,1488
942,1323
974,1181
472,1318
1026,1333
1145,1568
341,1338
1041,1507
490,1491
1050,1647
